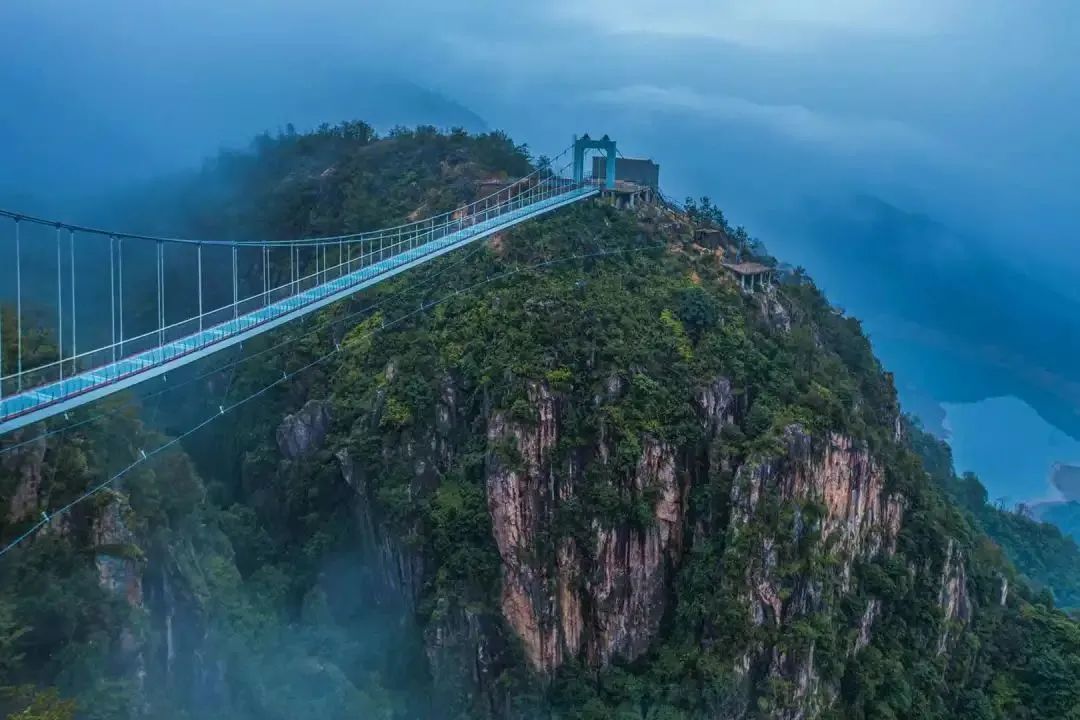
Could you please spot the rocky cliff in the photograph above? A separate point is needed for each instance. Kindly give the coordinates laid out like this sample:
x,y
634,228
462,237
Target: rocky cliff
x,y
599,599
796,522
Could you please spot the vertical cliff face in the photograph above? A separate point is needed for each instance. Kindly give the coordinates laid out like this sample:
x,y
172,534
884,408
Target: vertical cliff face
x,y
953,594
606,600
521,500
396,573
858,518
837,507
630,585
796,524
603,598
301,432
117,553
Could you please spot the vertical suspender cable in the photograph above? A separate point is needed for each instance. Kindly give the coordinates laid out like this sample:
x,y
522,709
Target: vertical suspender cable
x,y
74,312
235,288
161,292
120,284
112,295
59,306
18,306
266,274
199,251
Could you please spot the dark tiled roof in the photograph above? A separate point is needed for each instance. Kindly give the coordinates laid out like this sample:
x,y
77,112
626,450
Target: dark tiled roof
x,y
747,268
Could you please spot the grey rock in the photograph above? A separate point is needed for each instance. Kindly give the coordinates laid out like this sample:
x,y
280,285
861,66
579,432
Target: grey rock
x,y
300,433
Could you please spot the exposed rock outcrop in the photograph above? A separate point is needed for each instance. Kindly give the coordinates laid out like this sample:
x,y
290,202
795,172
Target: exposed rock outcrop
x,y
628,589
860,518
119,561
873,608
836,496
602,602
304,431
521,494
116,552
605,602
716,404
599,595
774,312
467,645
953,593
24,464
397,572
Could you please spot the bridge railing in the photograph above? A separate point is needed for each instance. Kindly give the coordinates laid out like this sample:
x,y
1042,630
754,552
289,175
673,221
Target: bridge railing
x,y
178,295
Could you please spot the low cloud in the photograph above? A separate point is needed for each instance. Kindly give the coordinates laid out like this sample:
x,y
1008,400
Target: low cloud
x,y
794,122
773,25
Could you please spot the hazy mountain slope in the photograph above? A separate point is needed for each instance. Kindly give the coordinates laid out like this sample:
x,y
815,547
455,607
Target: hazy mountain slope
x,y
62,160
952,316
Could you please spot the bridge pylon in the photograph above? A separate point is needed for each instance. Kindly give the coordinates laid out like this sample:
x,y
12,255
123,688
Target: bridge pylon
x,y
604,144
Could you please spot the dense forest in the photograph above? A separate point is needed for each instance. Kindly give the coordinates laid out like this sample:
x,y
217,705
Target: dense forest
x,y
571,472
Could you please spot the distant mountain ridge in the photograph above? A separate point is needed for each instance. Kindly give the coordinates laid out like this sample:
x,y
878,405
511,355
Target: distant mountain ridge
x,y
62,169
1065,513
948,314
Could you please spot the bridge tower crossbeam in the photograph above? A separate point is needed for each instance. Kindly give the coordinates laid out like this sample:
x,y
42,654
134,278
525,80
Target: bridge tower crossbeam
x,y
605,145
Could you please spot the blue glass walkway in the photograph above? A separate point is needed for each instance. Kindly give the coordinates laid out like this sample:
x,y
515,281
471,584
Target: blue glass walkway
x,y
53,398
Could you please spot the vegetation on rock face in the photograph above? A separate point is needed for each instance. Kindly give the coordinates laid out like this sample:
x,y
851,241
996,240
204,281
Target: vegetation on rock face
x,y
362,577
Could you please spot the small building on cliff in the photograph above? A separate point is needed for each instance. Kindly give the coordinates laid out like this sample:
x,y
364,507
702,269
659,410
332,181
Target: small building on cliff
x,y
752,276
630,170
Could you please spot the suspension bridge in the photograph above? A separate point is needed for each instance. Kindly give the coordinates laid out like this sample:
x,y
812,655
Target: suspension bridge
x,y
128,308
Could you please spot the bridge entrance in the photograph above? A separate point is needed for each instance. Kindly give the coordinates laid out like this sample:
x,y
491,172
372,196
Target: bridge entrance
x,y
604,144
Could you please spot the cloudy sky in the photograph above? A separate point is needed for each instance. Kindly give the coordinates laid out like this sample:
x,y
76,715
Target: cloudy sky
x,y
959,114
963,106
